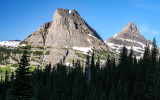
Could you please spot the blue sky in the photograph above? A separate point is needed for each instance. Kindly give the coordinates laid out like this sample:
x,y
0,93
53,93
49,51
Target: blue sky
x,y
20,18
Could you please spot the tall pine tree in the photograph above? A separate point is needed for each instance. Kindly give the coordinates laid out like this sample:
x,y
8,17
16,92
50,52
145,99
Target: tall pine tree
x,y
21,88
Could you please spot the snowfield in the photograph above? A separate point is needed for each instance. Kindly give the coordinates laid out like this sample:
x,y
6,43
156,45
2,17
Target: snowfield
x,y
9,43
118,47
83,49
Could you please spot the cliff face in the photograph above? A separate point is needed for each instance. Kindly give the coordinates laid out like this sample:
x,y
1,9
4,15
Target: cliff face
x,y
66,38
130,36
69,29
38,38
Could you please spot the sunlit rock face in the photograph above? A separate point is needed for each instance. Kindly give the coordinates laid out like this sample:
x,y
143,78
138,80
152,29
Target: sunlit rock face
x,y
130,36
66,36
69,29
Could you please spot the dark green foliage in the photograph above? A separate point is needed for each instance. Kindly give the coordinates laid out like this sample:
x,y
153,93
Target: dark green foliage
x,y
21,88
37,52
39,47
28,47
15,59
47,53
80,55
17,51
14,65
4,55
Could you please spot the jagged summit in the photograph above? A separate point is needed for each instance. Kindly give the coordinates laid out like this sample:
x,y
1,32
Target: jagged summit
x,y
67,34
130,36
66,12
66,26
130,31
131,27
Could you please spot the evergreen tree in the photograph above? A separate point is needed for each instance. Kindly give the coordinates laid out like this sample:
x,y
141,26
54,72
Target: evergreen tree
x,y
131,73
155,68
22,88
88,69
98,65
154,54
108,76
12,76
92,61
94,73
6,78
148,75
157,97
124,71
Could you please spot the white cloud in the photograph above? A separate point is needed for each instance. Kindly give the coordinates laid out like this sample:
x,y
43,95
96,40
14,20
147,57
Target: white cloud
x,y
145,29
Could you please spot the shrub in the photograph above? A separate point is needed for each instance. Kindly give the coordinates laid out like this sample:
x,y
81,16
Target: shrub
x,y
39,47
47,53
37,52
14,65
15,59
26,47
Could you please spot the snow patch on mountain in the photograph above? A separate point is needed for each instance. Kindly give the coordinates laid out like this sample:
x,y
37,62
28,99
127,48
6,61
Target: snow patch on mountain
x,y
134,41
131,37
70,12
22,45
67,64
115,46
13,44
89,41
83,49
119,47
115,35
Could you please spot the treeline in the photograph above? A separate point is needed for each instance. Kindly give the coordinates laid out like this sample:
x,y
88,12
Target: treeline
x,y
128,79
4,55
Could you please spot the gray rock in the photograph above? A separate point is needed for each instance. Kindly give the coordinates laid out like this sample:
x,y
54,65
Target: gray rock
x,y
130,36
38,38
68,32
69,29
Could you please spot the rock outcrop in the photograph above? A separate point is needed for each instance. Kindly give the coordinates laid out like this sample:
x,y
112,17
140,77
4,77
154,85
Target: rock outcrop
x,y
130,36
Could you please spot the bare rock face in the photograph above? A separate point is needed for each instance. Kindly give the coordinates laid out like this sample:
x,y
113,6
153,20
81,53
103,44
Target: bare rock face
x,y
65,38
130,36
38,38
69,29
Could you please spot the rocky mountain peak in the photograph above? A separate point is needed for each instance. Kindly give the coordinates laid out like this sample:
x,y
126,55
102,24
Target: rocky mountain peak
x,y
69,29
130,36
66,37
66,12
131,27
64,18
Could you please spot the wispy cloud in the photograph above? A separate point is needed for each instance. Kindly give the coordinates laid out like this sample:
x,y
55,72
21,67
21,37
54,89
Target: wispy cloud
x,y
143,4
145,29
